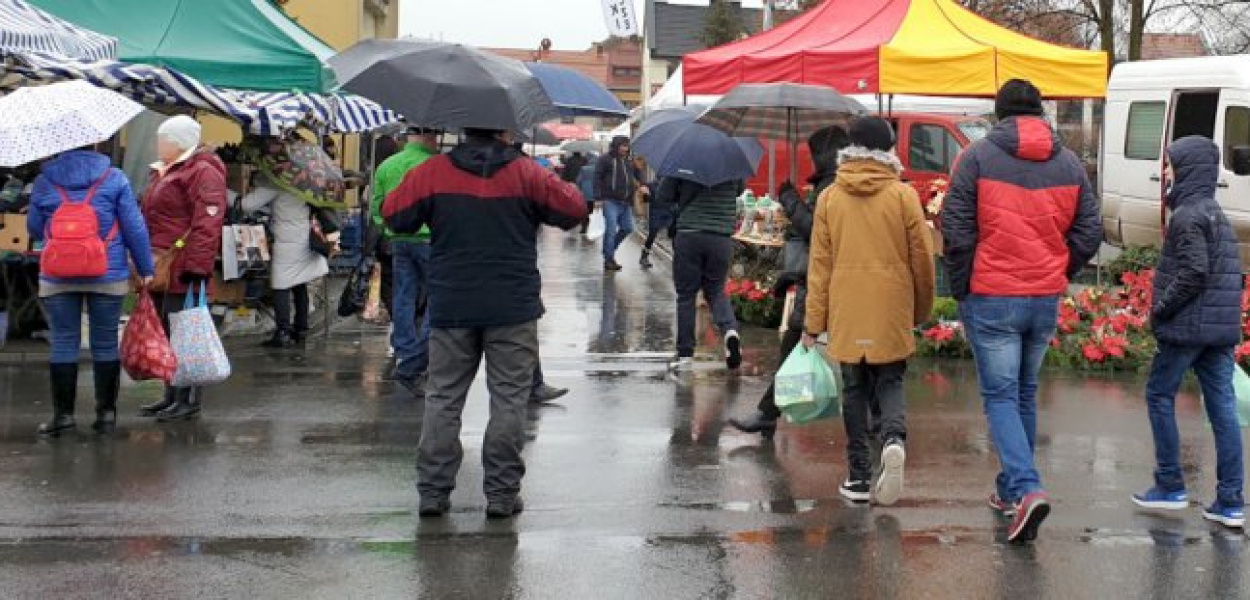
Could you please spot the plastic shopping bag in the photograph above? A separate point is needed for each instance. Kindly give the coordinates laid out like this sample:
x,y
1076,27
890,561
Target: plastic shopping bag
x,y
1241,385
201,358
597,226
146,353
805,387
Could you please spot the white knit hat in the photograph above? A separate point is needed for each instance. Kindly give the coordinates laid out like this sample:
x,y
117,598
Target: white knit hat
x,y
181,130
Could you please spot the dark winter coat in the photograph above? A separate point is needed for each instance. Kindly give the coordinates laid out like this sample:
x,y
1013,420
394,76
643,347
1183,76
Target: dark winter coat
x,y
188,202
114,204
1197,287
484,204
1021,217
615,174
801,213
707,209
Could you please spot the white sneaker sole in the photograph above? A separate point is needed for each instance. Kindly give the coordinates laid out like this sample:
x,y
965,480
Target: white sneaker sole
x,y
1161,504
1225,521
890,485
854,496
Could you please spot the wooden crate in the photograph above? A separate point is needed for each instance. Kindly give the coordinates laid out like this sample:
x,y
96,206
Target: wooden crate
x,y
13,236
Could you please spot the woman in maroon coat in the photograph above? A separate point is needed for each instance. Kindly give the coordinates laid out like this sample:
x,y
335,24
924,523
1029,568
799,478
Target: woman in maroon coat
x,y
185,205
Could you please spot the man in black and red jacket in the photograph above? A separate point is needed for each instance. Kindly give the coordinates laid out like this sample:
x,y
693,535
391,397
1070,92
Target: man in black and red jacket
x,y
484,203
1021,220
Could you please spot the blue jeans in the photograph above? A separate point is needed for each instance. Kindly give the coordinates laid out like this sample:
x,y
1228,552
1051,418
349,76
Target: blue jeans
x,y
1214,367
410,266
618,221
65,320
1009,337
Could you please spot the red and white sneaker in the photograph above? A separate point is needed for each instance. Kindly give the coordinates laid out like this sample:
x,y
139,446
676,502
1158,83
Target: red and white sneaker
x,y
1030,512
1003,507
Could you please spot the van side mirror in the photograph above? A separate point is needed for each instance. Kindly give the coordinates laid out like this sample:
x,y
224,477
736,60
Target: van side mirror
x,y
1241,160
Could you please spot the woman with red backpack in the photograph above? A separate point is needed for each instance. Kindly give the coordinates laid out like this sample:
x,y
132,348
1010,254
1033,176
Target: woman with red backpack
x,y
84,214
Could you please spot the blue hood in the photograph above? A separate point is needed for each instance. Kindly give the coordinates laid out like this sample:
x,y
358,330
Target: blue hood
x,y
76,169
1195,168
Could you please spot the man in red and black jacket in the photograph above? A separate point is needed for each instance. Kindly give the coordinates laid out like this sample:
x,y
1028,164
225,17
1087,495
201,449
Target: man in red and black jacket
x,y
484,204
1020,220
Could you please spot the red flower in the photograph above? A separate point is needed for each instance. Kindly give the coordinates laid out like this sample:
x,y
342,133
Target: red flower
x,y
1093,353
756,295
1243,351
1054,342
940,334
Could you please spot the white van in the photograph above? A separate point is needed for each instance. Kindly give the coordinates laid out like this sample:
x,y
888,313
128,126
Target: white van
x,y
1152,103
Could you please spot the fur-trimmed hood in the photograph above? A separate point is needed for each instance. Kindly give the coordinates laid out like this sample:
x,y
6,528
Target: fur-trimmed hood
x,y
863,172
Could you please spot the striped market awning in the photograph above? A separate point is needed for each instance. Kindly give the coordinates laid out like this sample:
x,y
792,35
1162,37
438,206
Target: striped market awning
x,y
258,113
24,28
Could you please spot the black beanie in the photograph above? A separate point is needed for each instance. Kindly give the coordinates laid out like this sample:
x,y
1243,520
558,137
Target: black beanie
x,y
1018,98
873,133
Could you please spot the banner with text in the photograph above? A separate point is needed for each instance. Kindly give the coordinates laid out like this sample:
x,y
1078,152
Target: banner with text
x,y
619,15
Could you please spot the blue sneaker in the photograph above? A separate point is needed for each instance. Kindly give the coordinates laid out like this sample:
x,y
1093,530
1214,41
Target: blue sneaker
x,y
1157,498
1227,516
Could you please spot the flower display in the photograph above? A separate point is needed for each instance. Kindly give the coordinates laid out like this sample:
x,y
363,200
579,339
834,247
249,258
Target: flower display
x,y
754,303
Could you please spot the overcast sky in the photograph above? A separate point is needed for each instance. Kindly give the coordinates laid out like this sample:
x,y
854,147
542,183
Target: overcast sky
x,y
571,24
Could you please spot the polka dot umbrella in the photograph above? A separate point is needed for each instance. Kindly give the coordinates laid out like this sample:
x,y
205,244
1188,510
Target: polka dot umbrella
x,y
38,122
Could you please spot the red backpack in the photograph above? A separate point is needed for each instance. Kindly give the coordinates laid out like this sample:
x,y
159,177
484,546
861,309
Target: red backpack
x,y
72,244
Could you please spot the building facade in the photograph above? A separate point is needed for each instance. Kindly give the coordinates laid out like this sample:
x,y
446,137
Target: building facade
x,y
616,63
341,23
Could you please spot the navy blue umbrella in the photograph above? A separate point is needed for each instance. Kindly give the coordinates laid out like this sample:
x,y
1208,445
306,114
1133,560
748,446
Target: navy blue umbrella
x,y
575,94
676,146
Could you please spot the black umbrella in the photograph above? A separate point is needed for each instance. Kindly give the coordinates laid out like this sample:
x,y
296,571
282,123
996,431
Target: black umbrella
x,y
445,85
781,111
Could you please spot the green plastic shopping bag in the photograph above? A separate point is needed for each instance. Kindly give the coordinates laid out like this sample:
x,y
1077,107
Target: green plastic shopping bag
x,y
805,388
1241,385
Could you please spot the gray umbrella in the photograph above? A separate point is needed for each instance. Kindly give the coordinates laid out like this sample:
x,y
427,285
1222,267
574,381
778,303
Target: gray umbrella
x,y
445,85
781,111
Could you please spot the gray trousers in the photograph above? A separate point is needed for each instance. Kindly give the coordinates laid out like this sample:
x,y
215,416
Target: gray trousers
x,y
701,263
511,358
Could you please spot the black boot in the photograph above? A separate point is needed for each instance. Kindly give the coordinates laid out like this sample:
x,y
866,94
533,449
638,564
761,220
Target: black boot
x,y
281,339
186,405
64,379
107,383
151,410
758,422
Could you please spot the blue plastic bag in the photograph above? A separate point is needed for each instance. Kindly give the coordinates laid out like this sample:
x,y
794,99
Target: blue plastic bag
x,y
805,387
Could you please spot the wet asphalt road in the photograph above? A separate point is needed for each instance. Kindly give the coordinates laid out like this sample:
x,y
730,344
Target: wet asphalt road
x,y
298,483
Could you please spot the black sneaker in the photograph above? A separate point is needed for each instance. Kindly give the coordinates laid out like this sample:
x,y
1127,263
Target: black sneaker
x,y
856,491
756,423
611,266
890,485
434,506
546,393
504,508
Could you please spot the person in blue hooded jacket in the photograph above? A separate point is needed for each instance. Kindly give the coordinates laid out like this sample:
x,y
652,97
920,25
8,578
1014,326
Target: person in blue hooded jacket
x,y
1196,318
73,174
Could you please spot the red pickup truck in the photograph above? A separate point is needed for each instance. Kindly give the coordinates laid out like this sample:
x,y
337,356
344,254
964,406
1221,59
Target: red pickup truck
x,y
928,144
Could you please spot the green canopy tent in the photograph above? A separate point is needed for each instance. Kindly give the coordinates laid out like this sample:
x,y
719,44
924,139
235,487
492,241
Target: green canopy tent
x,y
239,44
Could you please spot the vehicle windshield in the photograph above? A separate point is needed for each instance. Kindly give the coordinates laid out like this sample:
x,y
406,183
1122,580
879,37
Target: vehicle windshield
x,y
975,129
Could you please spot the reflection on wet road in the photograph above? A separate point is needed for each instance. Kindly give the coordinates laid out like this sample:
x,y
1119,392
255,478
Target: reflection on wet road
x,y
298,482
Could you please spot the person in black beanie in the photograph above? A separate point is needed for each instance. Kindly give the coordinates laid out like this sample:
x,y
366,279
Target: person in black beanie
x,y
1020,220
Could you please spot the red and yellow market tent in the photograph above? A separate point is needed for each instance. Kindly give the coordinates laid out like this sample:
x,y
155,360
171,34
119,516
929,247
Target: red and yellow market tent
x,y
923,47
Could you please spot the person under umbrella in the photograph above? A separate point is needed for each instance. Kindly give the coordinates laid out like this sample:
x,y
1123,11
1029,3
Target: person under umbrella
x,y
295,264
85,175
708,169
825,145
487,203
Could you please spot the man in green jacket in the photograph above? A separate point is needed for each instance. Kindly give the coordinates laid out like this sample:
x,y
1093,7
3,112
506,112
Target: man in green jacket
x,y
410,259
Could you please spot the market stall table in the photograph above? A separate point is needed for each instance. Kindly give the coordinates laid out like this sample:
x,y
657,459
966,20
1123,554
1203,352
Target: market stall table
x,y
759,258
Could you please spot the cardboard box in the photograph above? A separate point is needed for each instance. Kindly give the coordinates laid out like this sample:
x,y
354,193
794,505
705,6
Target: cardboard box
x,y
13,236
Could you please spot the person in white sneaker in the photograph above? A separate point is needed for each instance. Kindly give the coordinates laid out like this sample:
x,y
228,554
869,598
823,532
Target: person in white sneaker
x,y
870,282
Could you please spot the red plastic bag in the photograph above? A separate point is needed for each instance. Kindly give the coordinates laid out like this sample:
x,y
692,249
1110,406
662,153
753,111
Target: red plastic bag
x,y
146,353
